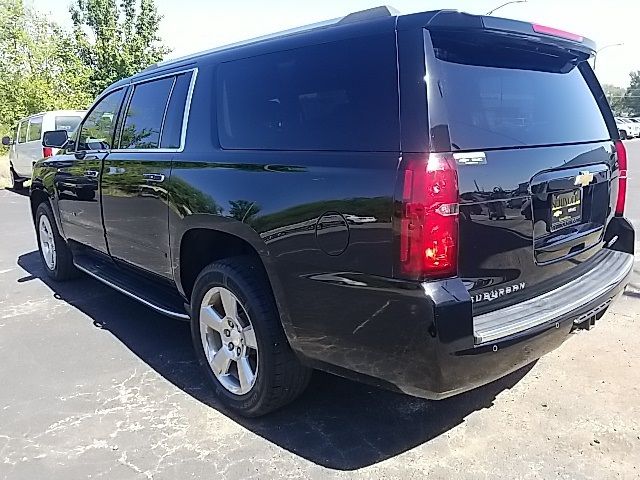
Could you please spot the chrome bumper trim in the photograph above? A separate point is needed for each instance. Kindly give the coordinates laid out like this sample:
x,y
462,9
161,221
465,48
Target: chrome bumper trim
x,y
612,268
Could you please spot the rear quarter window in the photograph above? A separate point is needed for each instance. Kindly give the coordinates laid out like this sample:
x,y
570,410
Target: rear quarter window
x,y
333,96
506,93
68,123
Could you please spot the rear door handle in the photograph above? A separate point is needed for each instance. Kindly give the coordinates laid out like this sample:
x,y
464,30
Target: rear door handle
x,y
84,156
154,177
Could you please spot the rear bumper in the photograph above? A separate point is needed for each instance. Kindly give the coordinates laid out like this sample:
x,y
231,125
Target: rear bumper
x,y
611,270
434,350
489,360
537,327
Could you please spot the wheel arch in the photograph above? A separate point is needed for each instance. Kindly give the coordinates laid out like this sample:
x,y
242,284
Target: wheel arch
x,y
38,194
208,238
36,197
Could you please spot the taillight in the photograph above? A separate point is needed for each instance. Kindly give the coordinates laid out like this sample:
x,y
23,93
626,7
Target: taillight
x,y
621,153
554,32
429,218
47,152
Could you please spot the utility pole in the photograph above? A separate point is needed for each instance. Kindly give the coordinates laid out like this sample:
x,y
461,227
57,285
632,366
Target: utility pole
x,y
595,57
504,5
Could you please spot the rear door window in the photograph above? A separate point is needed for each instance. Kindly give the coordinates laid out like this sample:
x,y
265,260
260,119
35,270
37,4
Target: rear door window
x,y
333,96
67,122
143,121
34,132
510,93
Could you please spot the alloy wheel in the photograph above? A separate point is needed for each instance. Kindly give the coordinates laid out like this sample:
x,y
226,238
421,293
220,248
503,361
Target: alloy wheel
x,y
228,340
47,242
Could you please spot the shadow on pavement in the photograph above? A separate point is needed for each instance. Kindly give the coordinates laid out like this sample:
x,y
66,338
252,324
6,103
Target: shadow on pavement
x,y
21,191
336,423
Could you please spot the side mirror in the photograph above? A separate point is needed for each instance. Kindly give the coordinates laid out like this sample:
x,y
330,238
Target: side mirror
x,y
6,141
55,138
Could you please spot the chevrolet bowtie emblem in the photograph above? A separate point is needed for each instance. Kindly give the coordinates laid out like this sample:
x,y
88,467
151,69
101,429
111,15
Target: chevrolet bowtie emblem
x,y
584,179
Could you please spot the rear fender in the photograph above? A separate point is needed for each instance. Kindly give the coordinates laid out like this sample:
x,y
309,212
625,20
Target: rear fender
x,y
243,232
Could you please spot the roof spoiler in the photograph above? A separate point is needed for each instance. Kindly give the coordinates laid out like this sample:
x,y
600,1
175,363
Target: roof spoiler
x,y
455,19
370,14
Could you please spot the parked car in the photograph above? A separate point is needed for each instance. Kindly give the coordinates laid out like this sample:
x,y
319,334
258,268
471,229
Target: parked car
x,y
213,177
635,120
25,145
627,128
635,126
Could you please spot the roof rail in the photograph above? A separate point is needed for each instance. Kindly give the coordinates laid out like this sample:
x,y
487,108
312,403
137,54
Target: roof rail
x,y
370,14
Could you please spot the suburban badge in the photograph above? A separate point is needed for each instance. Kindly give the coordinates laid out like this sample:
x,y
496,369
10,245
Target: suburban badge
x,y
497,293
584,179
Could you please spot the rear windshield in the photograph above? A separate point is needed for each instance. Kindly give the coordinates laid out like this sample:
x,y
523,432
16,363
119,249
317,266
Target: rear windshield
x,y
509,93
68,123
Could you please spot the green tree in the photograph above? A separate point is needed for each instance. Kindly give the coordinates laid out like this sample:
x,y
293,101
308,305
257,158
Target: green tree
x,y
39,67
632,97
243,209
115,39
616,97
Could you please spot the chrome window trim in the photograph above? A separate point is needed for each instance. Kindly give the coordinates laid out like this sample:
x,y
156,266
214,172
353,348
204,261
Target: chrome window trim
x,y
125,108
166,109
185,116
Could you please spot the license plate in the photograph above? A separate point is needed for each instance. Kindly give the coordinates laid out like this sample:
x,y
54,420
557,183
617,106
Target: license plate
x,y
566,209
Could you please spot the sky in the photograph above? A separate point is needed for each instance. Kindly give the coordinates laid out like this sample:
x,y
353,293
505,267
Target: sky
x,y
190,26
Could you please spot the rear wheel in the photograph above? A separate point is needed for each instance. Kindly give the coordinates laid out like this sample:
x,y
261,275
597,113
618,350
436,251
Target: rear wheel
x,y
239,340
54,251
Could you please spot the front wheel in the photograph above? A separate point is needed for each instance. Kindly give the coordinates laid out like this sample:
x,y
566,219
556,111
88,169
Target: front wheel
x,y
54,252
239,340
16,182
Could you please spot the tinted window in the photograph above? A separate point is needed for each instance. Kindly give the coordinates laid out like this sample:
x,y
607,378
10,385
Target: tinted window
x,y
35,129
507,93
143,121
172,129
334,96
68,123
98,127
22,132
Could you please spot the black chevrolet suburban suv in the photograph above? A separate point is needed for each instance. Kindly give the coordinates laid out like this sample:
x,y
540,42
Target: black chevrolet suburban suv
x,y
424,202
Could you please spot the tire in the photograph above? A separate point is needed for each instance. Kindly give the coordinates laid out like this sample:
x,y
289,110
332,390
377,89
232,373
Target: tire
x,y
623,135
15,183
57,262
278,376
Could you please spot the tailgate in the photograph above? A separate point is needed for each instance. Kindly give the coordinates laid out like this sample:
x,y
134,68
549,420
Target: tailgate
x,y
527,224
535,158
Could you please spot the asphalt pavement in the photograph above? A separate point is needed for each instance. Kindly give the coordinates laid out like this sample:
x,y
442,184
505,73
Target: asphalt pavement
x,y
94,385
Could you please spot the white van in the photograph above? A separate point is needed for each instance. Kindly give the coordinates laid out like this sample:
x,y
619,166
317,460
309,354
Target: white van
x,y
25,145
